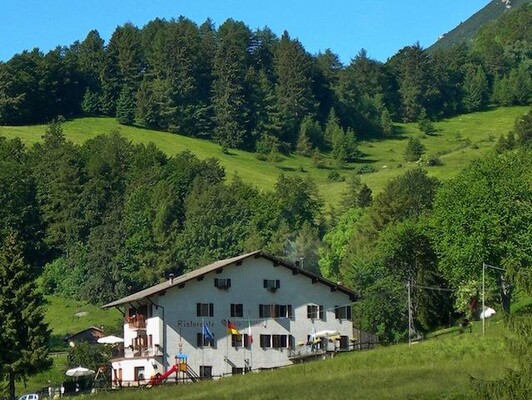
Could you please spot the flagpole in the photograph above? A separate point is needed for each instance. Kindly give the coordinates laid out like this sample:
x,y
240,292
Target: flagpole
x,y
229,334
250,347
203,331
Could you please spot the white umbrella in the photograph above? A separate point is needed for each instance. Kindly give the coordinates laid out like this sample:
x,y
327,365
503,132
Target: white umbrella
x,y
326,333
110,340
79,371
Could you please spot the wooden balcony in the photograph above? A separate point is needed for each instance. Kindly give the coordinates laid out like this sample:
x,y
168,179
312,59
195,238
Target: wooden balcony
x,y
136,322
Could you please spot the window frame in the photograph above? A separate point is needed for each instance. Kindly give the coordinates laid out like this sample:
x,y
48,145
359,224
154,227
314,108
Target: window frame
x,y
204,309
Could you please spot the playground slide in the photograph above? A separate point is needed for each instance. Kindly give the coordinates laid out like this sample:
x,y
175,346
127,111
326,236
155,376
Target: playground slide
x,y
159,378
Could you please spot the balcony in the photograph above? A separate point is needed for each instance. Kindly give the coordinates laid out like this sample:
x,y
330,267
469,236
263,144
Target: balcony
x,y
136,322
138,351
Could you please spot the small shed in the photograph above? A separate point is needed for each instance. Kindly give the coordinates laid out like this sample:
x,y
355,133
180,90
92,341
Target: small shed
x,y
89,335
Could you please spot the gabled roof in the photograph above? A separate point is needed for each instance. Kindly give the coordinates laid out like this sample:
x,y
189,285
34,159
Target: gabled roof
x,y
180,280
93,330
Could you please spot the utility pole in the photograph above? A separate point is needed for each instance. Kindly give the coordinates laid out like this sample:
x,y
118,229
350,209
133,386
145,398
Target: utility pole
x,y
482,313
409,313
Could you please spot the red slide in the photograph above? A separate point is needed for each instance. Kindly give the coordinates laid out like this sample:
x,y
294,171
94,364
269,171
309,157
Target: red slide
x,y
158,379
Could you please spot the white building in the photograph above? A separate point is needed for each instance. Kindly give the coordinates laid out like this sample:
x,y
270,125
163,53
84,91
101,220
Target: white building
x,y
282,307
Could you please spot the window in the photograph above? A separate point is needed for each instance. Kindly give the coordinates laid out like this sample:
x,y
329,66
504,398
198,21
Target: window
x,y
265,310
139,373
283,310
279,341
236,340
237,310
205,371
237,371
204,309
315,312
202,341
275,311
271,284
222,283
342,312
344,342
275,341
265,341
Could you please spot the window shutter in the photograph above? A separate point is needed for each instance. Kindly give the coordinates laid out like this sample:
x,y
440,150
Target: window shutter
x,y
198,309
289,310
215,282
321,312
277,284
228,283
211,309
265,283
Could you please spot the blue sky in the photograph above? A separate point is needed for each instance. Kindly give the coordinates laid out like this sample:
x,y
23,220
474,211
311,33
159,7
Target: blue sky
x,y
382,27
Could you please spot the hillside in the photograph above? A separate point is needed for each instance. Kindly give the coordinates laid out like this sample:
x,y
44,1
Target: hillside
x,y
457,141
467,29
435,369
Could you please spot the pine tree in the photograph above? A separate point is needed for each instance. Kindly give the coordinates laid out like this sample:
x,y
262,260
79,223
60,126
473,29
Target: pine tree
x,y
24,335
125,107
295,99
230,94
414,150
475,89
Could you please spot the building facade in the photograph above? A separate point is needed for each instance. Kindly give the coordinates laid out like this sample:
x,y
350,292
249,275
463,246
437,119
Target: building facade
x,y
249,312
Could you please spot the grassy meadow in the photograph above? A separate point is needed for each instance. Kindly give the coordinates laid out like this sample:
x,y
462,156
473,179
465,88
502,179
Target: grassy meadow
x,y
457,141
66,317
440,368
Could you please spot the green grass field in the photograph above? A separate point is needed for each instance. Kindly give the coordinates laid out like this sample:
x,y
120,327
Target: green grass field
x,y
457,141
440,368
66,317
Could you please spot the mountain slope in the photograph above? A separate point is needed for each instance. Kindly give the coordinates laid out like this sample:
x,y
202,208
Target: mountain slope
x,y
467,29
458,140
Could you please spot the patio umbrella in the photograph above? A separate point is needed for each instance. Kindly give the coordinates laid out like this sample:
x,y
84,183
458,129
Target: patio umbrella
x,y
326,333
110,340
79,371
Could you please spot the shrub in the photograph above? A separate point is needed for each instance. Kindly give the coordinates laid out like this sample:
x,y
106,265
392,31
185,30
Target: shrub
x,y
334,176
414,150
365,169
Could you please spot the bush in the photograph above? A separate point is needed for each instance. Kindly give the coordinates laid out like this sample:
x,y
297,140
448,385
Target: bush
x,y
334,176
434,161
414,150
365,169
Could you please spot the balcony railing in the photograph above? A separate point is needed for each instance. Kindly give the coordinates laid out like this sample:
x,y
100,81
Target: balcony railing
x,y
138,351
136,321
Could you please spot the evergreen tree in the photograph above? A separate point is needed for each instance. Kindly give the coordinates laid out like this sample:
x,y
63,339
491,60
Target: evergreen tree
x,y
24,336
125,107
414,149
475,89
230,95
90,59
294,94
417,88
310,136
90,104
59,177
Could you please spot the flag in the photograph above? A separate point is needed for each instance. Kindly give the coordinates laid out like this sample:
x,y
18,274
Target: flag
x,y
250,336
231,328
207,334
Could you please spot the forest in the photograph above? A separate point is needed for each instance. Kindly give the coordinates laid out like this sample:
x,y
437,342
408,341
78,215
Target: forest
x,y
100,220
256,91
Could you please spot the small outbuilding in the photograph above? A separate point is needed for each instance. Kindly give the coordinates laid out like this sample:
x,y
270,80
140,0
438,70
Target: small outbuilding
x,y
89,335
